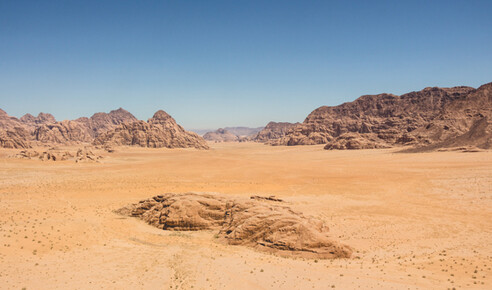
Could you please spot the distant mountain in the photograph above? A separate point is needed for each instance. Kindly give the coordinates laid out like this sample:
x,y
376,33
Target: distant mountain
x,y
118,127
159,131
220,135
238,131
243,131
82,129
231,134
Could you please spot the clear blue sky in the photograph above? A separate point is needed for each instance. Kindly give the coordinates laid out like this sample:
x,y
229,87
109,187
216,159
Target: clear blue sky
x,y
223,63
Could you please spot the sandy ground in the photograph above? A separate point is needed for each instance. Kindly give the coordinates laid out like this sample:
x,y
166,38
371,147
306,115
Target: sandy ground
x,y
414,220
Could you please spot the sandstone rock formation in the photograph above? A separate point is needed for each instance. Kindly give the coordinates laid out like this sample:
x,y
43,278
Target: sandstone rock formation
x,y
17,137
45,129
220,135
421,118
82,129
264,224
159,131
13,133
273,131
64,132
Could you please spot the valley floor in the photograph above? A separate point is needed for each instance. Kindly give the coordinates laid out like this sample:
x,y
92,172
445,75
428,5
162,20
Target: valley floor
x,y
415,221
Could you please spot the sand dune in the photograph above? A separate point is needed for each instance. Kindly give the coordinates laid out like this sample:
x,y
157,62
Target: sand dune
x,y
413,220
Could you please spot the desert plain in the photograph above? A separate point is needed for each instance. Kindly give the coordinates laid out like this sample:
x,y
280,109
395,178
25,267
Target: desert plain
x,y
413,220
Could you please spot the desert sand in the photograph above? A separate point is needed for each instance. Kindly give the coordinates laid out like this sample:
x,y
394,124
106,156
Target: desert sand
x,y
414,221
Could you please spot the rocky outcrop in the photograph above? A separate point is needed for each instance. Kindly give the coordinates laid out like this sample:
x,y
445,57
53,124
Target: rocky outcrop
x,y
159,131
273,131
220,135
417,119
86,155
264,224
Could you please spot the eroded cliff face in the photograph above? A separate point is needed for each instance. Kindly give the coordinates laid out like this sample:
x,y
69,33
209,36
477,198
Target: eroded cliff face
x,y
421,118
159,131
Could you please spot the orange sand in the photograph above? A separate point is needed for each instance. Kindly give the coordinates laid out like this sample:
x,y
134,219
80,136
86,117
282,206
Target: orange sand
x,y
414,220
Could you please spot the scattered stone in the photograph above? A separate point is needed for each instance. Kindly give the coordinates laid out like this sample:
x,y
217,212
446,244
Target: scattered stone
x,y
85,155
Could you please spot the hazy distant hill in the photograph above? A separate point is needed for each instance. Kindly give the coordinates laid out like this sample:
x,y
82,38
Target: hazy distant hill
x,y
220,135
243,131
238,131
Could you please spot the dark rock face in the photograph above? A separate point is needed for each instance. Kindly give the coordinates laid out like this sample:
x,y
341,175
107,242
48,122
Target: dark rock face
x,y
273,131
220,135
421,118
262,223
159,131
